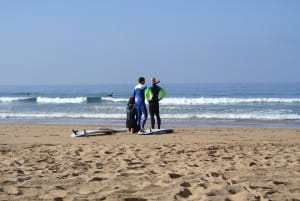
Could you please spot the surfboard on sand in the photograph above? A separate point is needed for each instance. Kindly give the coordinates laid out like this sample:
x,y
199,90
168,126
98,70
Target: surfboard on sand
x,y
155,131
82,133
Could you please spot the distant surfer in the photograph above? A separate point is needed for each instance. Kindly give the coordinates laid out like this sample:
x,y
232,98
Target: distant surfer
x,y
139,96
154,94
110,94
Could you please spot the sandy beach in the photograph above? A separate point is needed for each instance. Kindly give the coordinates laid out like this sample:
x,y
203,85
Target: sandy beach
x,y
42,162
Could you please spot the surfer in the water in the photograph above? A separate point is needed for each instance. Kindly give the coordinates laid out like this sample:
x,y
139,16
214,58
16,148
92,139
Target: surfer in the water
x,y
139,95
110,94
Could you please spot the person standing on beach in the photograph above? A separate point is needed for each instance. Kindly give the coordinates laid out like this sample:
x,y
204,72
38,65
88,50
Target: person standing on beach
x,y
139,95
131,113
154,94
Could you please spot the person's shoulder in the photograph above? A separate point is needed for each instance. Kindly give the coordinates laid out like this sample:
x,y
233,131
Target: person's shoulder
x,y
150,86
140,86
157,86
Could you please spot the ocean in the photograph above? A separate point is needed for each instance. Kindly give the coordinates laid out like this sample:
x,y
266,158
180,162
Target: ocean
x,y
275,105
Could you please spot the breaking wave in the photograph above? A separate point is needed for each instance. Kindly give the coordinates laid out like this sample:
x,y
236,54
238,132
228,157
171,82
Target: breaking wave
x,y
228,101
221,116
166,101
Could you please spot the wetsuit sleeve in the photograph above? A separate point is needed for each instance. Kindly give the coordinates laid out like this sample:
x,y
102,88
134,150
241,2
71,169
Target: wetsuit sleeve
x,y
163,93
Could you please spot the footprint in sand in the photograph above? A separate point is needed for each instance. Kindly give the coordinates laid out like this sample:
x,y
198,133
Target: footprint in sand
x,y
212,193
97,179
215,174
185,184
60,188
280,182
203,185
185,193
174,175
234,189
270,192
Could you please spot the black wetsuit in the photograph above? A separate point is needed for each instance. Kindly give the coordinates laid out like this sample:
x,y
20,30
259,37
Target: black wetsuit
x,y
131,114
154,106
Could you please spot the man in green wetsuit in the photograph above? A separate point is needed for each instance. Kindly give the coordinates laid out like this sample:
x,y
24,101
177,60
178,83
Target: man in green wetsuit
x,y
154,94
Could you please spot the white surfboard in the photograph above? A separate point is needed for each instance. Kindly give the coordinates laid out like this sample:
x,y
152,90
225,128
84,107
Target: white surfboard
x,y
155,131
82,133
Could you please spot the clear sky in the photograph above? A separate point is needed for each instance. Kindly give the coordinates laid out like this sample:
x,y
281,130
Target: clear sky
x,y
108,41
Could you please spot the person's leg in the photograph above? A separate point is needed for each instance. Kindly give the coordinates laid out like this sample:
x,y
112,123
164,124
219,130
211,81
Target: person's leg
x,y
156,112
145,114
139,117
151,111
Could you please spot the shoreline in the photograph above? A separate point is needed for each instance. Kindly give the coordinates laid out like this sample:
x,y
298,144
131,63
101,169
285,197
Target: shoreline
x,y
176,123
60,134
42,162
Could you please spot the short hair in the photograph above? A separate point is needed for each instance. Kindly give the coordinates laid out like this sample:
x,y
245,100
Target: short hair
x,y
153,80
131,101
141,79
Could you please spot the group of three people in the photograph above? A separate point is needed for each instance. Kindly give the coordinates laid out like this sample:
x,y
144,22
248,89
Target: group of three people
x,y
136,109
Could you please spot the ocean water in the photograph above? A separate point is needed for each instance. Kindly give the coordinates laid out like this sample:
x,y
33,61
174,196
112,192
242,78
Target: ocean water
x,y
244,104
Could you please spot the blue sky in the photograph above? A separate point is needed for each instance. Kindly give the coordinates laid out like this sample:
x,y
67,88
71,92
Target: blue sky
x,y
94,42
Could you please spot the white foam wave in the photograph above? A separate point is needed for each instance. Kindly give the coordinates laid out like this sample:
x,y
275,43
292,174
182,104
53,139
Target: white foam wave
x,y
13,99
227,101
233,116
61,115
59,100
114,99
166,101
221,116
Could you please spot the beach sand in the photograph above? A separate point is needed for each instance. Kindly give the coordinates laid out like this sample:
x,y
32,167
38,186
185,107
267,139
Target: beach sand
x,y
42,162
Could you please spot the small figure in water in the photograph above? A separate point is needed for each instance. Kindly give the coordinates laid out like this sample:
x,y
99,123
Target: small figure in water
x,y
110,94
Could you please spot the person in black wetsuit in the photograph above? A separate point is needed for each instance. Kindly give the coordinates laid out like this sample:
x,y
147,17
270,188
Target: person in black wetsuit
x,y
131,113
154,94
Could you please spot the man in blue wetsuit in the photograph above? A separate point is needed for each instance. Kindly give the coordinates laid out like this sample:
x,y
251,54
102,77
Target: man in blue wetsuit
x,y
139,95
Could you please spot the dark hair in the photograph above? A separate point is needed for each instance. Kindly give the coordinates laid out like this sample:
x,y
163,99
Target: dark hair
x,y
131,101
141,79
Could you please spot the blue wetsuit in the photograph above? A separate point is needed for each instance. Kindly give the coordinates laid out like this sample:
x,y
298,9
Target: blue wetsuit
x,y
139,95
